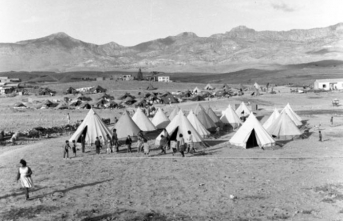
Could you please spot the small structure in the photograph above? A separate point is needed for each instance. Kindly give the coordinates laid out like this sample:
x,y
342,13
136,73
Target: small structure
x,y
6,90
328,84
127,77
163,79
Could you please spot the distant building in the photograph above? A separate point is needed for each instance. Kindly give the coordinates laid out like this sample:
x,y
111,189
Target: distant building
x,y
163,79
6,90
7,80
329,84
128,77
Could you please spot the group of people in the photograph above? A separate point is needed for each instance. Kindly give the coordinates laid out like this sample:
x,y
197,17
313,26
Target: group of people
x,y
180,144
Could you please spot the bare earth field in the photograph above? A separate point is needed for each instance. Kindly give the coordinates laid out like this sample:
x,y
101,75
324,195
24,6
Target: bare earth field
x,y
295,180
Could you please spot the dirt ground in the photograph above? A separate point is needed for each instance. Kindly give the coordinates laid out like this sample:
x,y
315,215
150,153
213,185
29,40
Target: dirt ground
x,y
294,180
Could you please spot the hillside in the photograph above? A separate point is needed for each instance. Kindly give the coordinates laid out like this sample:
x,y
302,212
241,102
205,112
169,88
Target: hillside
x,y
238,49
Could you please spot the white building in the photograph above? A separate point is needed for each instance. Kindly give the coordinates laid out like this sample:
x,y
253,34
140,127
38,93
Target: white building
x,y
329,84
163,79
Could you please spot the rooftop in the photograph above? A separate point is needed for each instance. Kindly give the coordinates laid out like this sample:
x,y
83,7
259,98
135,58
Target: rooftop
x,y
329,80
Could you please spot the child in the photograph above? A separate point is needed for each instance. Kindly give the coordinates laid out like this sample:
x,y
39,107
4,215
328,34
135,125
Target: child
x,y
108,144
181,145
74,148
128,142
146,148
24,175
66,149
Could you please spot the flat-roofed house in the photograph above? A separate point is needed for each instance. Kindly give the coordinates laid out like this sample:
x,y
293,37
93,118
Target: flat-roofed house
x,y
329,84
163,79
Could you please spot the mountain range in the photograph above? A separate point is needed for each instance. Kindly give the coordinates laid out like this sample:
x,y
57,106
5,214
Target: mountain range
x,y
236,49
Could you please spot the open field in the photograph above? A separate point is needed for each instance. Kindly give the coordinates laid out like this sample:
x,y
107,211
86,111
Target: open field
x,y
295,180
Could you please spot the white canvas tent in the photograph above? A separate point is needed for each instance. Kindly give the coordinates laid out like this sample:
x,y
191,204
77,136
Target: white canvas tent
x,y
160,120
198,126
213,116
251,134
143,121
204,118
126,126
283,127
295,118
242,108
208,87
196,90
271,119
92,126
230,117
180,124
174,113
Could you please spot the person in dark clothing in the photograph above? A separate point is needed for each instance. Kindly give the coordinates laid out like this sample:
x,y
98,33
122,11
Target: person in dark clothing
x,y
163,144
181,145
320,136
115,139
128,142
74,148
97,145
331,120
66,149
140,142
165,132
83,143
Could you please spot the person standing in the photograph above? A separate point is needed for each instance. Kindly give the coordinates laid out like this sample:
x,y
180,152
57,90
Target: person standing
x,y
24,175
97,145
109,144
165,133
140,141
68,118
66,149
115,139
128,142
83,143
146,147
163,144
320,136
190,143
217,132
181,145
115,120
331,120
74,148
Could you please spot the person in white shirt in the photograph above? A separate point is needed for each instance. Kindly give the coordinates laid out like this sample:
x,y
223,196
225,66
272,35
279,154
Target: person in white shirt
x,y
190,143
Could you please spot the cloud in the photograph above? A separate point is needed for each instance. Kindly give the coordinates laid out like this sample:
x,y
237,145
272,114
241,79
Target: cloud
x,y
283,7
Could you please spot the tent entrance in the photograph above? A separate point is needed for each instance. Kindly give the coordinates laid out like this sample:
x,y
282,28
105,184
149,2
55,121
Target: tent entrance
x,y
173,135
83,133
252,141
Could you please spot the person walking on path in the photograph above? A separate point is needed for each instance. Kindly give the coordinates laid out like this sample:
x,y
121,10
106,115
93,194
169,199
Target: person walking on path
x,y
68,118
97,145
331,120
66,149
115,139
140,141
24,175
74,148
128,142
83,143
146,147
163,144
320,136
181,145
190,143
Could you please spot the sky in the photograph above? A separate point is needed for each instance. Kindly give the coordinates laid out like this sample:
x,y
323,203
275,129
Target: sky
x,y
130,22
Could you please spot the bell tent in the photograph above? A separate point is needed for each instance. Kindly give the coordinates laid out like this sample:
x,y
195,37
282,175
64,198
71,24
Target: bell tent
x,y
213,116
160,120
208,87
198,126
243,110
204,118
91,127
174,113
230,117
283,127
181,125
150,87
252,134
126,126
271,119
143,121
196,90
295,118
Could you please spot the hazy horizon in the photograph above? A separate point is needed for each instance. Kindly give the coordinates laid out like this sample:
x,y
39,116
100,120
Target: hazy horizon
x,y
130,22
